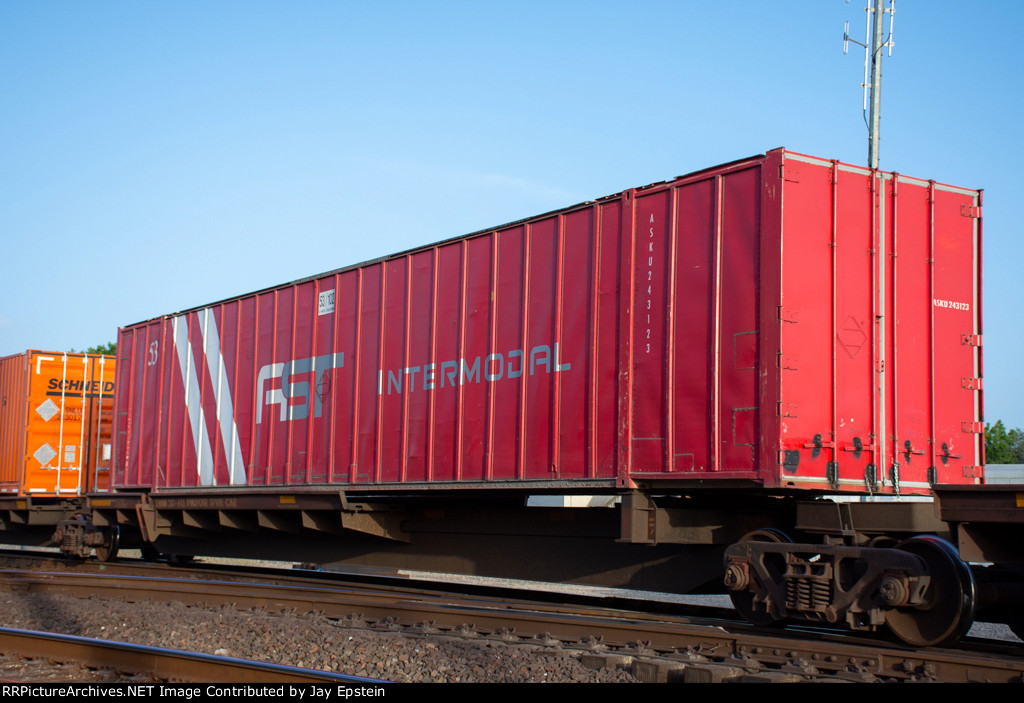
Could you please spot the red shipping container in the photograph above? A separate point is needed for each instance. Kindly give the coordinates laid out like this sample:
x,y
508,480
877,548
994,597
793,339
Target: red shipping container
x,y
783,321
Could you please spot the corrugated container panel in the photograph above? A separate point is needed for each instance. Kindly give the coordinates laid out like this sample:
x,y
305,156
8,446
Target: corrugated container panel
x,y
782,320
14,377
56,413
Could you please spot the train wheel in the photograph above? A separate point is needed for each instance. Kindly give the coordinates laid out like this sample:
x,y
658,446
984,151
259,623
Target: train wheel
x,y
111,543
949,602
743,600
767,534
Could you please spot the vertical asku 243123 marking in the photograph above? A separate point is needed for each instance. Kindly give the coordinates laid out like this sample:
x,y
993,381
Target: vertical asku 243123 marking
x,y
650,278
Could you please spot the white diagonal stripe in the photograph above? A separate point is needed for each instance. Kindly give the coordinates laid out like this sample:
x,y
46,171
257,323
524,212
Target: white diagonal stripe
x,y
193,402
222,396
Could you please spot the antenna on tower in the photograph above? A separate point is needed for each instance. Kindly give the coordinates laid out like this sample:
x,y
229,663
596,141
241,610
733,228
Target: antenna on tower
x,y
872,85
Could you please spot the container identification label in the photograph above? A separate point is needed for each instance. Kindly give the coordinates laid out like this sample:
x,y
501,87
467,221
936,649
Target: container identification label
x,y
325,303
951,304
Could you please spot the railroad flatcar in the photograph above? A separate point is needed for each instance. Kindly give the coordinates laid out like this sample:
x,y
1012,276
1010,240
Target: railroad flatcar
x,y
759,365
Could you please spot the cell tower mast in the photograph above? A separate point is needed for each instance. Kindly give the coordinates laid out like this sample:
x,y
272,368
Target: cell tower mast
x,y
873,45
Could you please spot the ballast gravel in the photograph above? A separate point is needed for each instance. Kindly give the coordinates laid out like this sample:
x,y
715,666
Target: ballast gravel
x,y
310,641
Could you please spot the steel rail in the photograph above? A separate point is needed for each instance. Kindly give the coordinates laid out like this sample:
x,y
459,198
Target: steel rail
x,y
699,644
160,663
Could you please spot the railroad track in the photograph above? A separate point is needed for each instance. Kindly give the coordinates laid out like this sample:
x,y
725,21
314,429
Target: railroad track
x,y
657,646
142,664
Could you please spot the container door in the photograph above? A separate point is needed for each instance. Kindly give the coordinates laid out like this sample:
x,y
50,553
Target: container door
x,y
880,367
99,418
830,357
934,408
60,390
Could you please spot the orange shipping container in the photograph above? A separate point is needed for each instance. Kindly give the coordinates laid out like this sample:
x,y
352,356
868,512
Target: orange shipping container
x,y
56,413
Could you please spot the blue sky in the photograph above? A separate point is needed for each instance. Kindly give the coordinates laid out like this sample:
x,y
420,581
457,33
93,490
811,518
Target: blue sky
x,y
159,156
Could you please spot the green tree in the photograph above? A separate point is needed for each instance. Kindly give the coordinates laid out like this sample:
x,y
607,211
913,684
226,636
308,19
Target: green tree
x,y
1003,446
110,349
